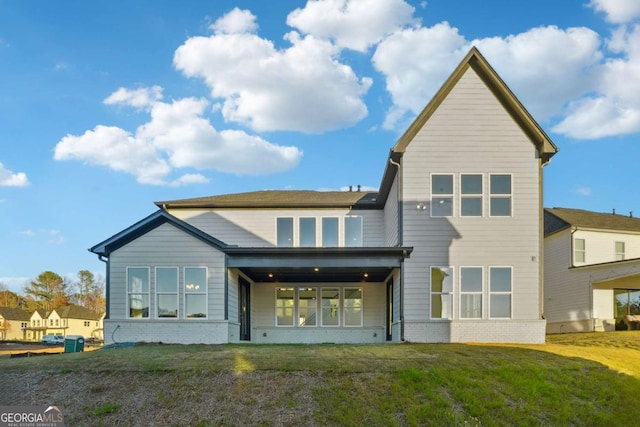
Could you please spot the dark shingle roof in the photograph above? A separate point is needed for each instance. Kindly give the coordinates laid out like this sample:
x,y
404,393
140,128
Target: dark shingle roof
x,y
556,219
10,313
76,312
280,199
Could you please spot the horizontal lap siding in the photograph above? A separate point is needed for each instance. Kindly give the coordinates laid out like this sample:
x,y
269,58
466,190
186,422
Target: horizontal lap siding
x,y
600,245
257,227
167,246
471,132
391,216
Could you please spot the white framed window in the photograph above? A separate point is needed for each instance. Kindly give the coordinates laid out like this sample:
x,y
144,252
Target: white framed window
x,y
619,247
353,231
307,231
284,232
307,306
471,292
166,292
285,306
330,232
500,195
471,195
441,292
441,195
500,286
138,292
352,306
579,250
195,292
330,306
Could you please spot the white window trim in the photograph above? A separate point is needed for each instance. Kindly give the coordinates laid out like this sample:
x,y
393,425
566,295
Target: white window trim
x,y
500,196
344,237
344,306
450,294
293,231
452,195
275,302
481,196
296,304
481,293
156,293
148,293
576,250
185,293
618,254
339,308
510,293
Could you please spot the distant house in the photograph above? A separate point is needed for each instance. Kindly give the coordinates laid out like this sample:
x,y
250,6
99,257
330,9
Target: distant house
x,y
13,323
37,327
449,249
67,320
591,270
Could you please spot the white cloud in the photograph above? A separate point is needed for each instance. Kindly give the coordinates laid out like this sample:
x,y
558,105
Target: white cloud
x,y
302,88
236,21
352,24
10,179
177,136
617,11
29,233
583,191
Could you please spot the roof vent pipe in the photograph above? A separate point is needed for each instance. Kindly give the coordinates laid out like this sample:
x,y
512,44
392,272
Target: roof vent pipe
x,y
614,211
630,214
358,188
350,188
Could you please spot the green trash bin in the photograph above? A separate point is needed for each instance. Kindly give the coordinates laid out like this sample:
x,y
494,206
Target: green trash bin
x,y
74,344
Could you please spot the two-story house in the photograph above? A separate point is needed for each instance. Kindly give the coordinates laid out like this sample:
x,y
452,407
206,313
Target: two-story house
x,y
66,320
592,270
449,249
13,323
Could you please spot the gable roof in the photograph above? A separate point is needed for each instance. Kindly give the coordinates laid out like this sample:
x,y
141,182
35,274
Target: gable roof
x,y
520,115
557,219
76,312
147,224
10,313
280,199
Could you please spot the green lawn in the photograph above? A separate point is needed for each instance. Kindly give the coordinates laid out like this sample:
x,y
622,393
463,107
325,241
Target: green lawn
x,y
573,380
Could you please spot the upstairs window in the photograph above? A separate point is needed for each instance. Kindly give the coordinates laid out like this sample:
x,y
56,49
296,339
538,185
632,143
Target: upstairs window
x,y
353,231
330,232
307,232
579,250
500,195
619,251
138,292
284,232
441,195
441,290
471,195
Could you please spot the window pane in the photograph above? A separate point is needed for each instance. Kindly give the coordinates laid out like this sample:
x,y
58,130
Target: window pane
x,y
471,279
285,232
441,306
166,279
284,306
195,279
442,206
471,184
579,244
352,307
353,231
441,184
196,306
620,247
138,279
330,307
441,279
500,306
500,206
329,232
500,278
471,306
308,232
471,206
500,184
138,305
168,305
307,306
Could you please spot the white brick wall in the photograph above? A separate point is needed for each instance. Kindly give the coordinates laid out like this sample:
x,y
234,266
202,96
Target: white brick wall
x,y
510,331
169,332
276,335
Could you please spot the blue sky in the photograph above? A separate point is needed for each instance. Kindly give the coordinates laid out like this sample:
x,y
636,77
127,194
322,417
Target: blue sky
x,y
106,107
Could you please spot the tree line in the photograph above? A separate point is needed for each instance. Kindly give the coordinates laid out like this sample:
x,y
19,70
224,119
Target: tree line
x,y
49,291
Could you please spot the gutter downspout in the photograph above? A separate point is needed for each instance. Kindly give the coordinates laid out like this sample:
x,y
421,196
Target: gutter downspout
x,y
400,243
107,285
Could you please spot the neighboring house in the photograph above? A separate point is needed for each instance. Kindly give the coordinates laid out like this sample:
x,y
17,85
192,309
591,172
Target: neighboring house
x,y
13,323
448,250
592,270
67,320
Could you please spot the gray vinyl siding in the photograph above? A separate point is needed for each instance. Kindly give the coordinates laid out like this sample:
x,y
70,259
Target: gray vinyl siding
x,y
257,227
471,132
167,246
391,218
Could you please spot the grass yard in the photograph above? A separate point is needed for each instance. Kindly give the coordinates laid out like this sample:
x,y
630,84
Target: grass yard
x,y
573,380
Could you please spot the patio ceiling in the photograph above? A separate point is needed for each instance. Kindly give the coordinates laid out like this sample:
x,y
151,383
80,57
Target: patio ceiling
x,y
316,274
